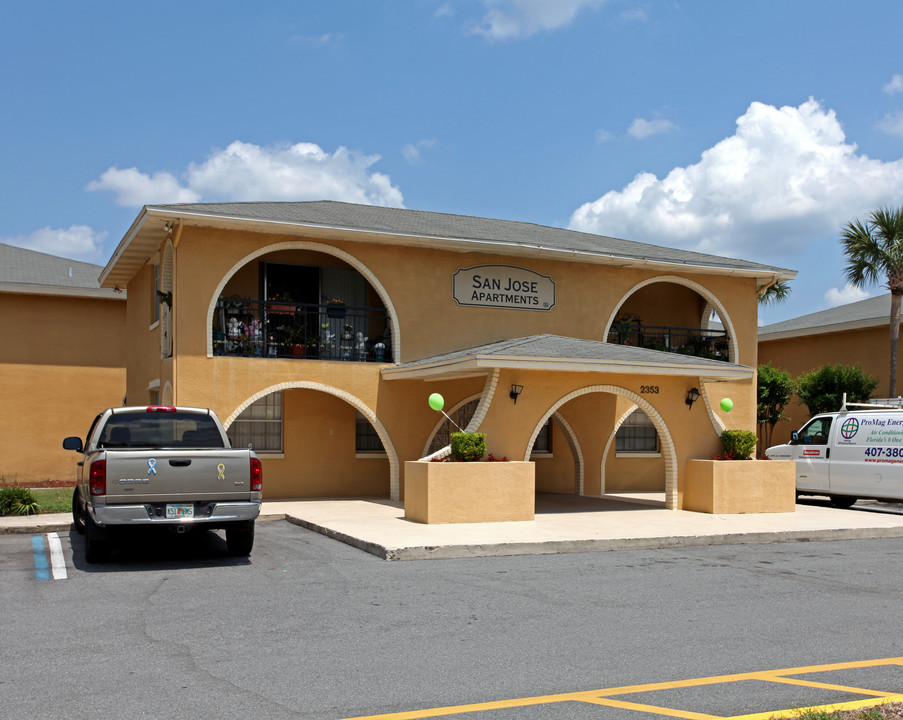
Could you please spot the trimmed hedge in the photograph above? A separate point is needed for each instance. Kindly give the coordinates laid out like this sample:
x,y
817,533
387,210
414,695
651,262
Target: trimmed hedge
x,y
468,447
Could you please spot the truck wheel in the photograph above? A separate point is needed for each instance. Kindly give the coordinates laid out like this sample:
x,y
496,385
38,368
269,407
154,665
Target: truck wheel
x,y
78,516
240,539
842,501
97,547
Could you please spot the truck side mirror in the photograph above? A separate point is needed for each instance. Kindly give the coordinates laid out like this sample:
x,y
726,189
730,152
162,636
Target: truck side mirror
x,y
794,438
73,443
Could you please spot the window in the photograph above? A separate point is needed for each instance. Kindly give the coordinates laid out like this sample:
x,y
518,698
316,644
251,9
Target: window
x,y
155,298
543,442
260,425
637,434
462,417
816,432
365,438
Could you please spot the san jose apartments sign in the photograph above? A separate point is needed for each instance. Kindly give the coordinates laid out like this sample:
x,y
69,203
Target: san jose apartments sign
x,y
503,286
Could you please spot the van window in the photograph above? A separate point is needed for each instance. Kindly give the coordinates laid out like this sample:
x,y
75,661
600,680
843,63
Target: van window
x,y
816,432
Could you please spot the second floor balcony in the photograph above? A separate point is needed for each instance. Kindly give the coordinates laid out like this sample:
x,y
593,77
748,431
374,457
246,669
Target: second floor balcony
x,y
698,342
252,328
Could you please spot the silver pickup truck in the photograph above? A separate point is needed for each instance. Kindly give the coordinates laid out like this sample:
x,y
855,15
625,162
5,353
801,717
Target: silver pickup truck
x,y
165,467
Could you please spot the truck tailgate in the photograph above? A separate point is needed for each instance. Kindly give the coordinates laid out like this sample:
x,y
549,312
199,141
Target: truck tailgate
x,y
178,475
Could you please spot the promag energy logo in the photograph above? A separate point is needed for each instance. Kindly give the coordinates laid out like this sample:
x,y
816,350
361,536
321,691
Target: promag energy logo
x,y
849,428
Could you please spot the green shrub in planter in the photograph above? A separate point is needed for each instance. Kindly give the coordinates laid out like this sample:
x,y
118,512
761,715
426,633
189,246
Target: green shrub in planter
x,y
468,447
738,444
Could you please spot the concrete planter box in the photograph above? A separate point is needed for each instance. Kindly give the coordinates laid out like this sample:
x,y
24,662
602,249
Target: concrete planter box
x,y
470,492
740,486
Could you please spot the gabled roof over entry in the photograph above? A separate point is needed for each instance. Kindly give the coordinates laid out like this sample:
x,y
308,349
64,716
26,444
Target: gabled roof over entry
x,y
395,226
558,353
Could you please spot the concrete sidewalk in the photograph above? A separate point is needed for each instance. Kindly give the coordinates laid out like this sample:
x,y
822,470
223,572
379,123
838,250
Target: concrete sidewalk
x,y
563,524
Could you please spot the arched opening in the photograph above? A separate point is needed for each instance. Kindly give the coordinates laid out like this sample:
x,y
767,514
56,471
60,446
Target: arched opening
x,y
598,419
316,441
166,286
673,314
302,300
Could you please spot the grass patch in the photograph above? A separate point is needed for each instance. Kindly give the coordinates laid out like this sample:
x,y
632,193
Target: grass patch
x,y
53,500
892,711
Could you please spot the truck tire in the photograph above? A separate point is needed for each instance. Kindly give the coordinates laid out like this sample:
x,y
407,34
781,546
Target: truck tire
x,y
78,515
842,501
97,546
240,538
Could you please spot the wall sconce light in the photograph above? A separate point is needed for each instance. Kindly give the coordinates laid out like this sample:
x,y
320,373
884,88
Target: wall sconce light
x,y
515,391
168,227
692,396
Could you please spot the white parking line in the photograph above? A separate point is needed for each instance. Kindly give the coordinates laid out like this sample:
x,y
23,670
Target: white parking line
x,y
57,560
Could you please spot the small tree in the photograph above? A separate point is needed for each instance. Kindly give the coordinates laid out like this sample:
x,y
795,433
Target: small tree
x,y
775,389
822,389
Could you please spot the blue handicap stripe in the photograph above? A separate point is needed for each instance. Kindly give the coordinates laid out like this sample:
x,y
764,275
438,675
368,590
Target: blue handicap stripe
x,y
41,565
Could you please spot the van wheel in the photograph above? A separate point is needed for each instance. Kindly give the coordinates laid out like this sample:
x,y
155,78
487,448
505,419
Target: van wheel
x,y
842,501
240,539
78,515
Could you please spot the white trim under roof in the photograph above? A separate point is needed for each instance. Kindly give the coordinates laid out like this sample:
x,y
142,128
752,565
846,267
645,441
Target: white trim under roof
x,y
98,293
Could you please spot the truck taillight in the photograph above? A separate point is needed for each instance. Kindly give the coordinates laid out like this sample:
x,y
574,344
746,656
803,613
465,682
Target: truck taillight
x,y
97,477
256,475
160,408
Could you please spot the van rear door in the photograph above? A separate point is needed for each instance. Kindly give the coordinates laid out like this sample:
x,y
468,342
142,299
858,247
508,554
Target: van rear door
x,y
868,455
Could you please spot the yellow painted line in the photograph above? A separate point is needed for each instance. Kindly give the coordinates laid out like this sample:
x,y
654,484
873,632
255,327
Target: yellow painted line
x,y
828,686
602,697
640,707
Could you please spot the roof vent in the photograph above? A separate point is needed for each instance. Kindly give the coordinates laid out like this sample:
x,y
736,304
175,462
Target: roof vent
x,y
70,272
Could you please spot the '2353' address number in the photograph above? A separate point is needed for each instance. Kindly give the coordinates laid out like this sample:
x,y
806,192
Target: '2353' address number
x,y
649,389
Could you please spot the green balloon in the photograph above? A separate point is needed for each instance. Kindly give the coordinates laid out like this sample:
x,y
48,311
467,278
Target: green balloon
x,y
727,404
437,402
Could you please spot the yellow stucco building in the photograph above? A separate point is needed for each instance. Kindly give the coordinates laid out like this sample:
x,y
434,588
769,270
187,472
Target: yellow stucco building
x,y
318,330
63,359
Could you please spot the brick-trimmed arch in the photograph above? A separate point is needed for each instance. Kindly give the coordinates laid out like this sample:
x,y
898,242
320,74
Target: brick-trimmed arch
x,y
394,484
315,247
695,286
668,451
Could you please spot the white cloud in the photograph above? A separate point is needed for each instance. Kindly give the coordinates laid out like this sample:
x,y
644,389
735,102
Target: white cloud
x,y
642,128
848,294
508,19
134,188
78,241
411,151
786,177
244,171
894,86
892,124
603,136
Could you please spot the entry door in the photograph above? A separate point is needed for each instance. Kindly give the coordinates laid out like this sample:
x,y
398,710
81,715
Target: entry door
x,y
812,454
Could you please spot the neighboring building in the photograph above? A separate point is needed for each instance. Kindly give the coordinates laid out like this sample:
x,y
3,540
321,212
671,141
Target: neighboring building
x,y
62,359
853,334
318,330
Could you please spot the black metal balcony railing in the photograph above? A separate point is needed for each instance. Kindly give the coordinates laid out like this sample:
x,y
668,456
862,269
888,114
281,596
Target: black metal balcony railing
x,y
251,328
687,341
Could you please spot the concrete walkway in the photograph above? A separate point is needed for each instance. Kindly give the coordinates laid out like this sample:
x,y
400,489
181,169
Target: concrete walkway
x,y
563,524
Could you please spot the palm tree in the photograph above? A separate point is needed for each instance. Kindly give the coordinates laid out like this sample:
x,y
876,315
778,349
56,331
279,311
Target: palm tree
x,y
874,253
773,293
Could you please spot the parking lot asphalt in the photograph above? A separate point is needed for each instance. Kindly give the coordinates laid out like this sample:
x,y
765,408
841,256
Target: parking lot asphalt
x,y
563,524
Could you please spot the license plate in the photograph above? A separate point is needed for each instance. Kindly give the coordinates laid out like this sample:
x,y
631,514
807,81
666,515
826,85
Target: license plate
x,y
179,512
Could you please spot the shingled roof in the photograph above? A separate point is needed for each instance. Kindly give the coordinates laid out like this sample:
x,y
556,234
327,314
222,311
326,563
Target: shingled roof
x,y
559,353
368,223
871,312
29,271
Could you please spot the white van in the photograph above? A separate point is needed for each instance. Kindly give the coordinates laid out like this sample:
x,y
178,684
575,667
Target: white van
x,y
847,455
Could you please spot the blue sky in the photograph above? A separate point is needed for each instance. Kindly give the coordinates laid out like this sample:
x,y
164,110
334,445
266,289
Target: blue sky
x,y
746,129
